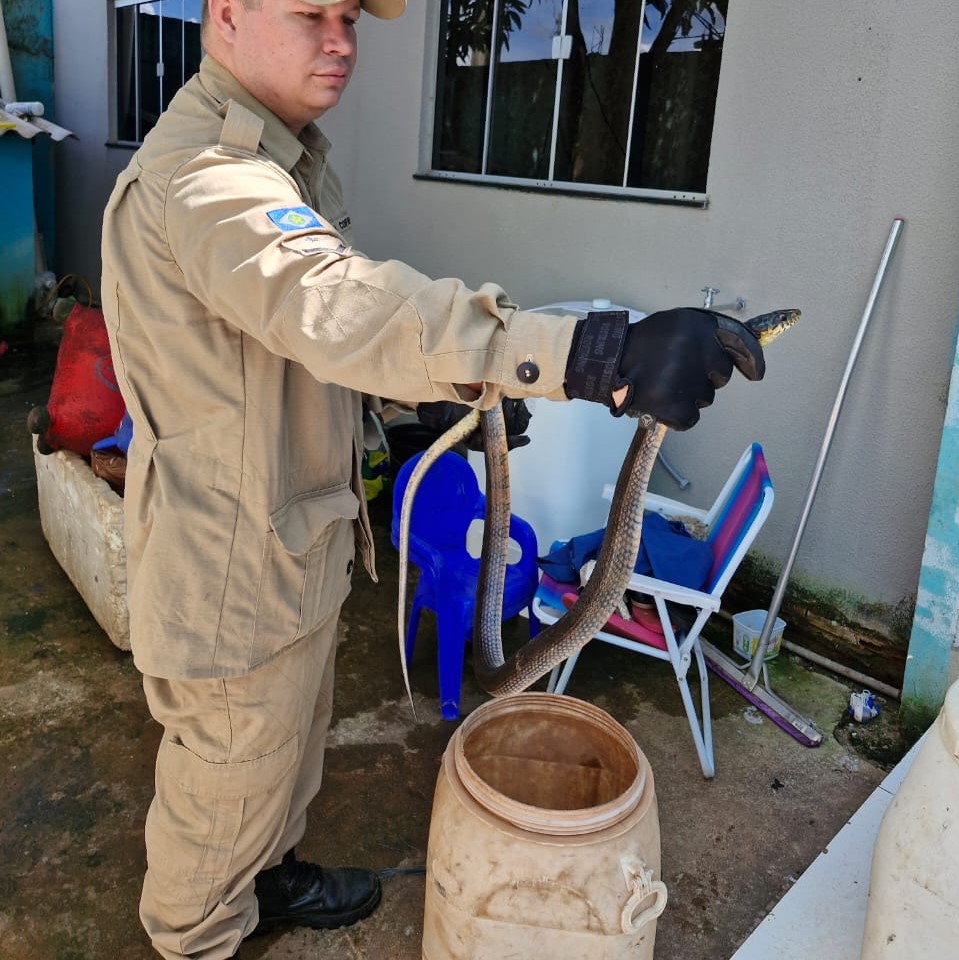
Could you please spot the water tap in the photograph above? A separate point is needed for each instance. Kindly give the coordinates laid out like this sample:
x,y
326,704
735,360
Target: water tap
x,y
709,297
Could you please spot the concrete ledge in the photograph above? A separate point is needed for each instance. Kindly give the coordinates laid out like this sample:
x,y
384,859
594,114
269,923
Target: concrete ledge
x,y
82,521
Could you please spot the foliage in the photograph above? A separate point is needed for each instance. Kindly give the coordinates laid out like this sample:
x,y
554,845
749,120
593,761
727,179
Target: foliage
x,y
686,15
469,25
469,22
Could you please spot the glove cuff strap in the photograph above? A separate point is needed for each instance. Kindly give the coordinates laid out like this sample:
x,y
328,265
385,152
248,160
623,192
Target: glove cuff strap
x,y
593,363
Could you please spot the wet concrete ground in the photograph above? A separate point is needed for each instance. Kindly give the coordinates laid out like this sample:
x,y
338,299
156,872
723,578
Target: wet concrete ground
x,y
77,751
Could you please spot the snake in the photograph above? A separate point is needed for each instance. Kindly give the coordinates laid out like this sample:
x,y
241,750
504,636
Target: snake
x,y
554,644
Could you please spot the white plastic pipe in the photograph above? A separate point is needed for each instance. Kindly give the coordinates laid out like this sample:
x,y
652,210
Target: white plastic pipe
x,y
25,108
7,89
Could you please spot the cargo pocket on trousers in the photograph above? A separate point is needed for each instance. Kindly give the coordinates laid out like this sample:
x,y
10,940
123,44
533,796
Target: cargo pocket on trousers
x,y
211,803
307,560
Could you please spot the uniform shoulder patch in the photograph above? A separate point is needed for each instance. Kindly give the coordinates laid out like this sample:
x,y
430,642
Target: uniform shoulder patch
x,y
295,218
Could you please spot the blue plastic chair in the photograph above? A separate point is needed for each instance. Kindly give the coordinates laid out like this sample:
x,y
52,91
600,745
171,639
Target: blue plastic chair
x,y
447,502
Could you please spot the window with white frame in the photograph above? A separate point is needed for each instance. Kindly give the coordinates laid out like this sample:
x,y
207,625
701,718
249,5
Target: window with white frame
x,y
157,50
611,96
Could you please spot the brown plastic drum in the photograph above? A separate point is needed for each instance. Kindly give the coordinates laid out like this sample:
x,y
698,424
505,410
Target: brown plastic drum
x,y
544,838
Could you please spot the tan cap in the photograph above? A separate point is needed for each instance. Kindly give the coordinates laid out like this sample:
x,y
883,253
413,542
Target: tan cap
x,y
384,9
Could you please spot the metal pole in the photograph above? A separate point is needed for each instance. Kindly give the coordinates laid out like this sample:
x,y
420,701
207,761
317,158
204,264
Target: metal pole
x,y
755,667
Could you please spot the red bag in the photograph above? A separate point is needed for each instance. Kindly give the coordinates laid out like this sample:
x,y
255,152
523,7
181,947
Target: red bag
x,y
85,404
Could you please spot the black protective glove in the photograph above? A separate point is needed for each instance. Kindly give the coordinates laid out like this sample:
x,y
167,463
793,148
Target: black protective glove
x,y
440,415
671,362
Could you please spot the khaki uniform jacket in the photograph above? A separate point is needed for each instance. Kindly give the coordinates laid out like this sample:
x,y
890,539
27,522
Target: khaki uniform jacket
x,y
244,327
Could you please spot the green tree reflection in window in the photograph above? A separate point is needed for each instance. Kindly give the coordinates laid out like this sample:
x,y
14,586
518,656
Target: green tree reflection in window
x,y
618,93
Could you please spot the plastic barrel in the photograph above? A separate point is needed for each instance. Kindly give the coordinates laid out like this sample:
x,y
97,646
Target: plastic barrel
x,y
544,838
913,905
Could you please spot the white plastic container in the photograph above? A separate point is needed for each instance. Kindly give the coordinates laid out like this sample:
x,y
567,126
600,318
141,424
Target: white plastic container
x,y
556,481
747,628
913,906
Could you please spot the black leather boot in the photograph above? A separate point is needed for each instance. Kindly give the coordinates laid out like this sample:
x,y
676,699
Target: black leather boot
x,y
307,895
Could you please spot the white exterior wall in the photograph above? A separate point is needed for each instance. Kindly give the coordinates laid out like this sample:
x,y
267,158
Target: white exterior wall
x,y
85,167
831,120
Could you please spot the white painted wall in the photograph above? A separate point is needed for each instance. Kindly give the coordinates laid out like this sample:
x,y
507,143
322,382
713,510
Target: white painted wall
x,y
831,120
85,167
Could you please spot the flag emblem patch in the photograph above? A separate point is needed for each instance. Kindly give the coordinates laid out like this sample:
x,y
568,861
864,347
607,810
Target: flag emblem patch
x,y
294,218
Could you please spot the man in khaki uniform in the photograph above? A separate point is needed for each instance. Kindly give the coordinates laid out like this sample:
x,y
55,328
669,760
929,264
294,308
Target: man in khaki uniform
x,y
244,326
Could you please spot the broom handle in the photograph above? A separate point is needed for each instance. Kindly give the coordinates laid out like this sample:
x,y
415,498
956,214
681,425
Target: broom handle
x,y
752,675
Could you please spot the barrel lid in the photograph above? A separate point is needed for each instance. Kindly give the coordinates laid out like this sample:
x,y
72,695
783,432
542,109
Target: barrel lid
x,y
949,720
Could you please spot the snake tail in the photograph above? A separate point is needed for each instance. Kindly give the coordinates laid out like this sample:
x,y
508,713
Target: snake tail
x,y
457,433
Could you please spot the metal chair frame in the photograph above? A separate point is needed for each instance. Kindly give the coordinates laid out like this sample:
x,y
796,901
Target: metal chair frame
x,y
732,524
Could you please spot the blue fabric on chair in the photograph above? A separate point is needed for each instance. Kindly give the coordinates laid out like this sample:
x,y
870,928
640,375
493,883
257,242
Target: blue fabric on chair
x,y
666,551
447,502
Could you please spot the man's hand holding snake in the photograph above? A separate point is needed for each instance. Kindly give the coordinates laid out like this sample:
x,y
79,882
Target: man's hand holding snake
x,y
667,366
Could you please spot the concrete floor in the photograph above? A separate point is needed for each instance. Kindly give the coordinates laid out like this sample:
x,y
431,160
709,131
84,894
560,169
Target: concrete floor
x,y
824,913
78,747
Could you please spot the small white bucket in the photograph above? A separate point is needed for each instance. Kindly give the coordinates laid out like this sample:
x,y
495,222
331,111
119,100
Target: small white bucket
x,y
747,626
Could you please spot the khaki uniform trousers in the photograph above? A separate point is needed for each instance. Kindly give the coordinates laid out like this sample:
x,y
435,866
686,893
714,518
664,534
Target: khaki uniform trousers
x,y
241,759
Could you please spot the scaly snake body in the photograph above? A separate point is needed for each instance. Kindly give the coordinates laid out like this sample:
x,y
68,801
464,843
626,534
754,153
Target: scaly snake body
x,y
614,566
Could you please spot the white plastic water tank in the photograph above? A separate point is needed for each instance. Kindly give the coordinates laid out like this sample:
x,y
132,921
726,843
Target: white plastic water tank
x,y
556,481
913,905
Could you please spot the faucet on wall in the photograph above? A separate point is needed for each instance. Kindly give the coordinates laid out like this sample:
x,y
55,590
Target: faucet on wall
x,y
709,295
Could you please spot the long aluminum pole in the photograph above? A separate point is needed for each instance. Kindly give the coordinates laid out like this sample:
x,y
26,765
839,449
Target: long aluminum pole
x,y
755,667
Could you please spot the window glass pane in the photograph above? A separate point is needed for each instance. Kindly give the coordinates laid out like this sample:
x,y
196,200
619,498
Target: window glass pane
x,y
597,90
637,97
160,31
138,52
181,44
679,64
190,39
126,90
461,85
521,125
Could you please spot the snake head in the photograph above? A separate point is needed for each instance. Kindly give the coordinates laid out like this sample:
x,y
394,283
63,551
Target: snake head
x,y
747,351
767,326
